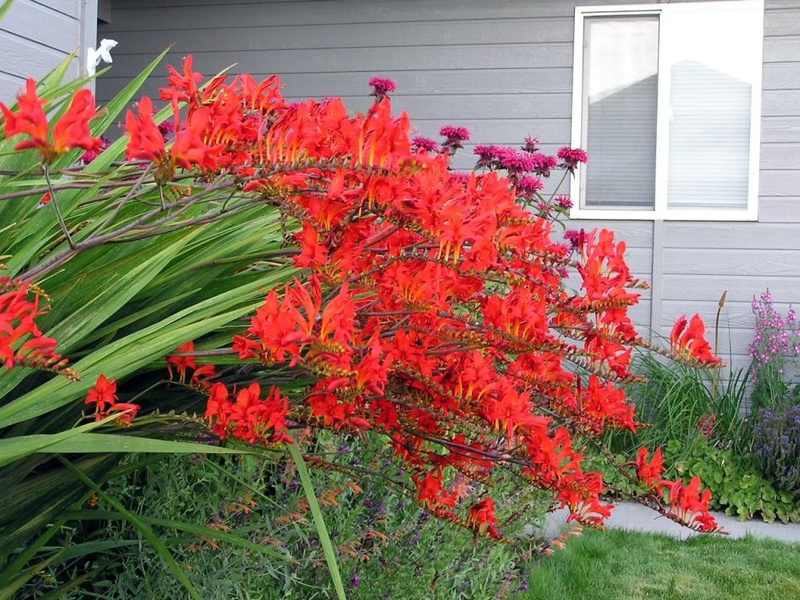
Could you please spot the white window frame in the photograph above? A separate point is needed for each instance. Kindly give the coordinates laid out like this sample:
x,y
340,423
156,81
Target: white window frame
x,y
660,210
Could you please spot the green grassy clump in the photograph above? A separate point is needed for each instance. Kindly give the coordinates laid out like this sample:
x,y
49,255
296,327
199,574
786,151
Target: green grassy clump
x,y
623,565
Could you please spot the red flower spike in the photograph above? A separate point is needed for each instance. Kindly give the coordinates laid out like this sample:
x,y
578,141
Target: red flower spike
x,y
22,343
482,518
650,472
70,131
104,396
182,363
689,341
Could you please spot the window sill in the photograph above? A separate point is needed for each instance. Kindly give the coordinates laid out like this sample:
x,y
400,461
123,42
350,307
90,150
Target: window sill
x,y
703,214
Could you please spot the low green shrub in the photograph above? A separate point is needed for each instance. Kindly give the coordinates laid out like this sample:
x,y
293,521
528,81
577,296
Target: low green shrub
x,y
776,445
736,485
387,547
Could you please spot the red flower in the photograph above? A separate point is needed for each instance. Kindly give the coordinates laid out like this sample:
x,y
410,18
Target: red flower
x,y
650,472
689,341
482,518
103,394
182,363
146,141
21,340
70,131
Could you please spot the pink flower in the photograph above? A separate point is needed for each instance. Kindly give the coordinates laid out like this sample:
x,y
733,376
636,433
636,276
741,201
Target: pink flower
x,y
531,145
419,142
564,202
486,155
461,177
514,160
90,155
454,134
166,128
529,185
570,157
575,237
543,164
382,87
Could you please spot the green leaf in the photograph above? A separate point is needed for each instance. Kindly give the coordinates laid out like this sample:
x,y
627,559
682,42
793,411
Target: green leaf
x,y
319,521
101,443
5,8
145,530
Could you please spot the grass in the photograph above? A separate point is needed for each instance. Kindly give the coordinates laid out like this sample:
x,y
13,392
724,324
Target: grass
x,y
622,565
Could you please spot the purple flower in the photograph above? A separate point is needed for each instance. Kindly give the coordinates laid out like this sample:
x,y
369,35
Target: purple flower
x,y
381,87
90,155
355,581
543,164
564,202
529,185
456,134
570,157
423,143
166,128
531,145
575,237
515,161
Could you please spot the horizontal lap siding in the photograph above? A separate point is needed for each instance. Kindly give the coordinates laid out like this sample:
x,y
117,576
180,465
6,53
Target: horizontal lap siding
x,y
36,36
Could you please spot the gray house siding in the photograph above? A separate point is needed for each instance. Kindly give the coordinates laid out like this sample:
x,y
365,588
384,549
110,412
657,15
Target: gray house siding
x,y
503,69
37,35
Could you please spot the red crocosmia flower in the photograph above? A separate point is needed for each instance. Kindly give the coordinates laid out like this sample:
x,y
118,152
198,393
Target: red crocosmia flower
x,y
70,131
688,340
182,363
103,394
22,343
482,518
146,141
182,87
650,472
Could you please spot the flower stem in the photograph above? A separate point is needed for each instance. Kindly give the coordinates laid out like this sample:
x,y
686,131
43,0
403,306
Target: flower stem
x,y
61,222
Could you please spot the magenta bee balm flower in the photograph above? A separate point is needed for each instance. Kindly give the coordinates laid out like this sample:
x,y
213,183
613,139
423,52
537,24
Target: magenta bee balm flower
x,y
382,87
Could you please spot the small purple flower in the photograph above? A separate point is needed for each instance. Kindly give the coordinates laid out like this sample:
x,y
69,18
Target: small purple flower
x,y
531,145
90,155
423,143
543,164
355,581
564,202
571,157
166,128
460,134
515,161
575,237
529,185
381,87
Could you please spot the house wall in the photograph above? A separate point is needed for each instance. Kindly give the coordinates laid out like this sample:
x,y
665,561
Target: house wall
x,y
503,69
37,35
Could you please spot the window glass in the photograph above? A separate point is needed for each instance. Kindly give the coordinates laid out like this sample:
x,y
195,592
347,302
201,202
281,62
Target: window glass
x,y
620,102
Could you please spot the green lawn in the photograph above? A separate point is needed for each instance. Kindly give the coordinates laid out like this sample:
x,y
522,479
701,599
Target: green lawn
x,y
626,566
